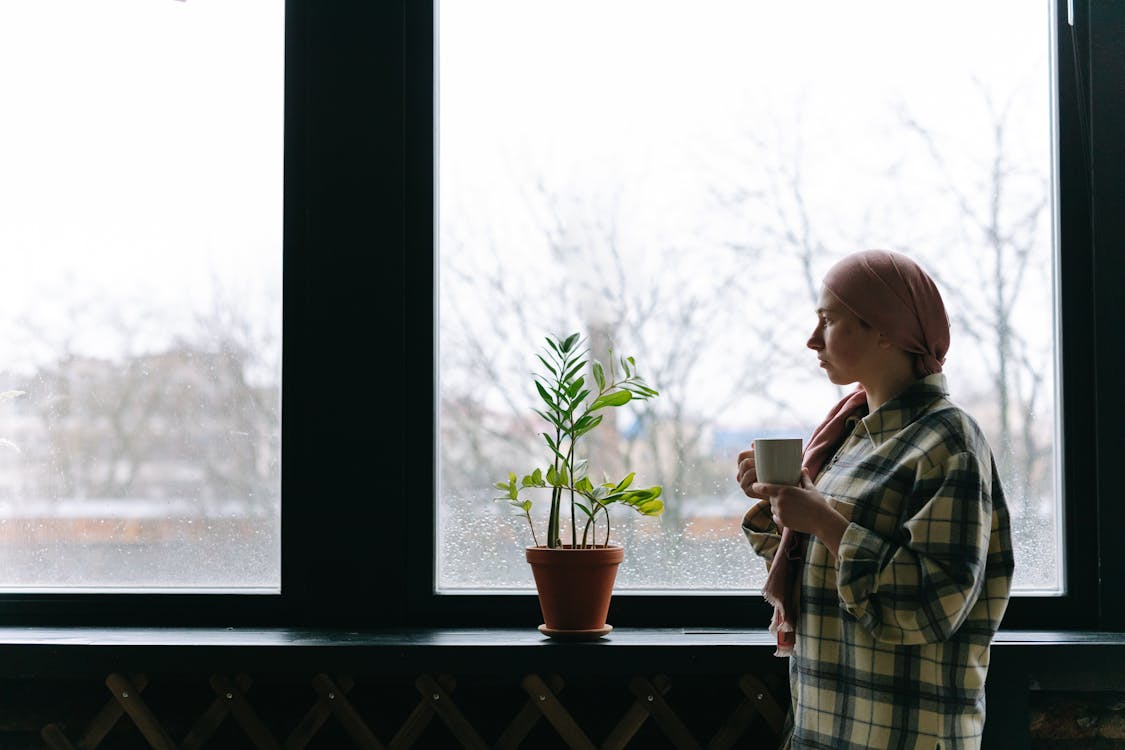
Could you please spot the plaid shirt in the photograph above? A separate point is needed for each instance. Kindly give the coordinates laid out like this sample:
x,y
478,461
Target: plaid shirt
x,y
893,638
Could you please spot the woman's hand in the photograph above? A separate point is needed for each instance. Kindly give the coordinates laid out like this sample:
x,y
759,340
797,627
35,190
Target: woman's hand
x,y
802,508
748,474
799,508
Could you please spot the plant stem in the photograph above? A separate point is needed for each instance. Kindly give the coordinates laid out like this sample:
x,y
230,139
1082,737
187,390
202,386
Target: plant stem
x,y
532,526
553,518
556,494
573,524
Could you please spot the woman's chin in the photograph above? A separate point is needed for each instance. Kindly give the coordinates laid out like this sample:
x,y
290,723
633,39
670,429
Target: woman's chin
x,y
836,379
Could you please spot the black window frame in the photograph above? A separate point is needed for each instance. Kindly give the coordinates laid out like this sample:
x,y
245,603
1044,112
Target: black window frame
x,y
342,336
359,451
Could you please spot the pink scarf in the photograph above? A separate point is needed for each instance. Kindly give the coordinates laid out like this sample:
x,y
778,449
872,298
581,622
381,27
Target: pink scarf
x,y
896,297
783,583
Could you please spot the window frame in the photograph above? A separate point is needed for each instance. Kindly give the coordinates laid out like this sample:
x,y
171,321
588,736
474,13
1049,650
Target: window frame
x,y
359,248
343,248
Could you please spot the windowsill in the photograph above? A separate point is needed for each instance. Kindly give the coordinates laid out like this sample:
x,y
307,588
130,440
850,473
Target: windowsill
x,y
476,649
421,638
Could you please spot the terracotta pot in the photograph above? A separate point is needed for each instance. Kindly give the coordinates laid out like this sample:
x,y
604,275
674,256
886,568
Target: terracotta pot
x,y
575,586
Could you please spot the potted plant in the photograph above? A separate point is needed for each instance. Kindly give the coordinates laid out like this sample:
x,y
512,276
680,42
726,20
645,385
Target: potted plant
x,y
574,572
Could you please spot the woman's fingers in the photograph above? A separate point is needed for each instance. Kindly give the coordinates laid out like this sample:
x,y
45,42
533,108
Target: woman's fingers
x,y
767,490
798,508
747,482
746,470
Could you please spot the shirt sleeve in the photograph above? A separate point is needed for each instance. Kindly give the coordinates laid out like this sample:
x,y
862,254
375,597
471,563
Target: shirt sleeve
x,y
760,530
920,588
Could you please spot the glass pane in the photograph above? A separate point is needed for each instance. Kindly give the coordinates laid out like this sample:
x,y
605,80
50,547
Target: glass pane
x,y
676,180
141,203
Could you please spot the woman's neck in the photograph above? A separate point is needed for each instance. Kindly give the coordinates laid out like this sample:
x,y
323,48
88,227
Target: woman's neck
x,y
887,384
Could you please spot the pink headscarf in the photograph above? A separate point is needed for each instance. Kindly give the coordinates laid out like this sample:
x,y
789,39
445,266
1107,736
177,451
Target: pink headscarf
x,y
893,295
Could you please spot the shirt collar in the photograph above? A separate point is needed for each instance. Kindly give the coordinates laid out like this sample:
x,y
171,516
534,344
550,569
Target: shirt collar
x,y
904,408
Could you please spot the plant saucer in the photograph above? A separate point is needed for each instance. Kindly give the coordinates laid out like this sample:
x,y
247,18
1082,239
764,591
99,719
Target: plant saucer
x,y
575,635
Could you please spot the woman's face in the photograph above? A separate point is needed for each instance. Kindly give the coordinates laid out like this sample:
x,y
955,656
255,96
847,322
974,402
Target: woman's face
x,y
847,348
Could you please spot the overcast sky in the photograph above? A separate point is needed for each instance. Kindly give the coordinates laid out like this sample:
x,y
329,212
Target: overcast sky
x,y
650,104
140,156
141,151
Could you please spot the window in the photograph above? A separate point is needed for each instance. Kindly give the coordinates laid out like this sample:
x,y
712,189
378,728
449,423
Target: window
x,y
675,184
358,543
141,192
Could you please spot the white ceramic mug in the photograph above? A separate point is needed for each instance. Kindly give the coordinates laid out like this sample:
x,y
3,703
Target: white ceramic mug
x,y
778,460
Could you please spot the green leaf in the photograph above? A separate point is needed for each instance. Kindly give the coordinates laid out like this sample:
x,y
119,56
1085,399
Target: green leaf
x,y
625,482
639,390
584,509
574,388
549,417
592,422
625,366
599,375
616,398
645,501
574,370
537,477
569,343
546,396
557,478
551,344
548,365
508,489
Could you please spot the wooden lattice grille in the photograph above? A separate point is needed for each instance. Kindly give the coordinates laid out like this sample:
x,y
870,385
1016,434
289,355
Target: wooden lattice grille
x,y
423,711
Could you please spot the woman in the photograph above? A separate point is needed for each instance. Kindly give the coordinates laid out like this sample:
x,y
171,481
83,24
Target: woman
x,y
890,565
